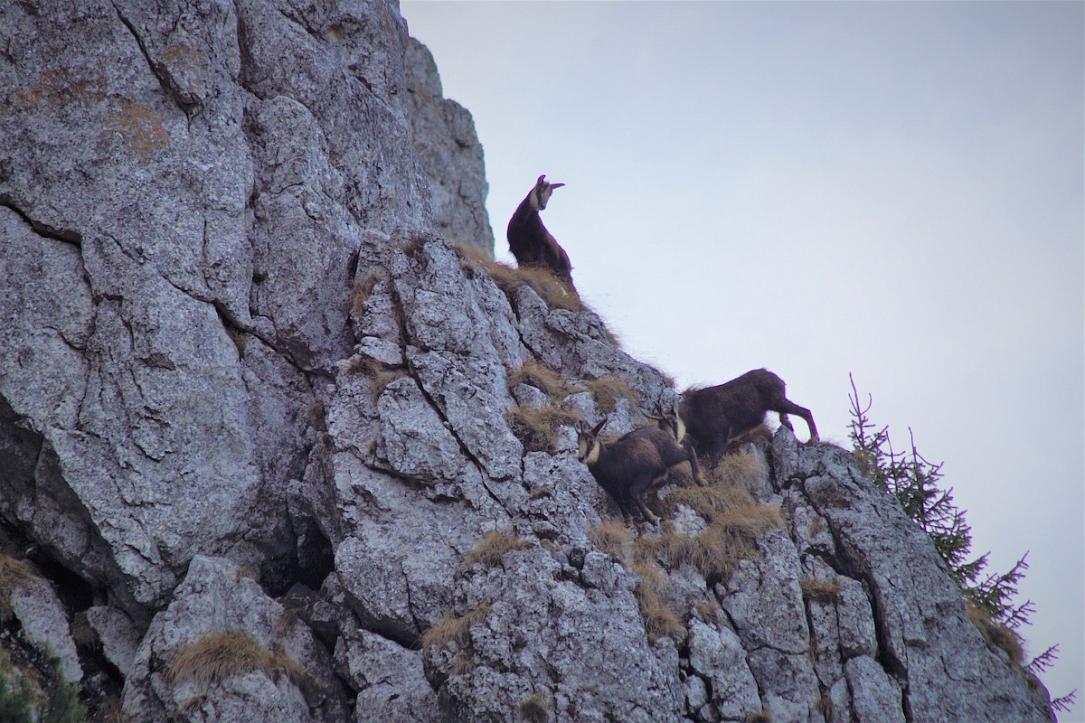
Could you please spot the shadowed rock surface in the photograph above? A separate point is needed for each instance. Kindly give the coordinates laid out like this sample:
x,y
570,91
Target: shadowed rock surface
x,y
248,384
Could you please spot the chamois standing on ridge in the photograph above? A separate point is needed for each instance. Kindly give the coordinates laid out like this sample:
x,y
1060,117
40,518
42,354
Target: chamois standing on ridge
x,y
638,461
712,416
530,242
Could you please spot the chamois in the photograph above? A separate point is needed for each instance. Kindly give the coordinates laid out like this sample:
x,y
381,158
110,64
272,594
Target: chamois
x,y
635,463
530,242
715,415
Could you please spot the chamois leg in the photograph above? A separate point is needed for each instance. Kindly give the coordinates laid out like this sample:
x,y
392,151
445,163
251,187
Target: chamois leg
x,y
694,467
637,491
624,507
648,514
715,448
789,407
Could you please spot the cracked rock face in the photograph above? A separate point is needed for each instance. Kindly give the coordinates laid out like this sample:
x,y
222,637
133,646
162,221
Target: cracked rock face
x,y
251,383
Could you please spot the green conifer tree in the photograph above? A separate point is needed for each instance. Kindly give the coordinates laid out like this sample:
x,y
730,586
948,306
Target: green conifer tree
x,y
915,482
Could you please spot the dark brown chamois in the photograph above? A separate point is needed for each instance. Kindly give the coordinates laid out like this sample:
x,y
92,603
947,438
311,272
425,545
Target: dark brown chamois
x,y
530,242
715,415
638,461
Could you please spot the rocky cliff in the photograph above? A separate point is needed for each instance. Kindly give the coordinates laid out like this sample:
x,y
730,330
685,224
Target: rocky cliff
x,y
280,442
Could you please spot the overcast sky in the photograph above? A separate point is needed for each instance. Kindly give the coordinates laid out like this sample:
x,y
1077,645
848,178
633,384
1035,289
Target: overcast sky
x,y
890,189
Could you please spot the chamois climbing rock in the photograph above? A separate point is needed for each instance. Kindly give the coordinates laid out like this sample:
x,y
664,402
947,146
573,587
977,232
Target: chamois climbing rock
x,y
715,415
628,467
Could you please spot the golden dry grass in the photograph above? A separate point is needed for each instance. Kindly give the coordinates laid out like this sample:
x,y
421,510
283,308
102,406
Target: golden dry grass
x,y
614,539
13,573
820,591
608,390
218,656
454,628
709,500
541,377
360,294
537,428
493,547
379,376
728,539
659,619
741,470
709,610
996,633
549,288
760,435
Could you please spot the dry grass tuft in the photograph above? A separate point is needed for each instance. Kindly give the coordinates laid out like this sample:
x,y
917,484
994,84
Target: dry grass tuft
x,y
996,633
741,470
761,716
360,294
710,500
454,628
474,258
734,520
13,574
493,547
820,591
709,610
379,376
537,428
659,619
534,709
549,288
760,436
614,539
608,390
218,656
728,539
540,377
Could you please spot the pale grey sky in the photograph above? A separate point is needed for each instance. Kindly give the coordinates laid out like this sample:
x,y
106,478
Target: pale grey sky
x,y
891,189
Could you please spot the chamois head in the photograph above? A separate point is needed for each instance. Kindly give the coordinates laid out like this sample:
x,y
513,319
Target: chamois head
x,y
541,193
588,444
669,420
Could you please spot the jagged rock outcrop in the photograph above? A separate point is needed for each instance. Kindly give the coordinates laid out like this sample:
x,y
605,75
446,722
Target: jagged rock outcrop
x,y
248,387
446,143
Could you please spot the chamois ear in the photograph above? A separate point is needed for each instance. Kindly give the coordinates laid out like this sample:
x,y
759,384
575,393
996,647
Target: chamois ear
x,y
555,185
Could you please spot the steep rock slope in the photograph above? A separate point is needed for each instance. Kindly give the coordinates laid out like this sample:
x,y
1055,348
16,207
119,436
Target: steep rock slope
x,y
249,387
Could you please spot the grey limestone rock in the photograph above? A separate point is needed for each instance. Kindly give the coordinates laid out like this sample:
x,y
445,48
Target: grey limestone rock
x,y
118,635
717,656
45,624
216,597
448,147
389,678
